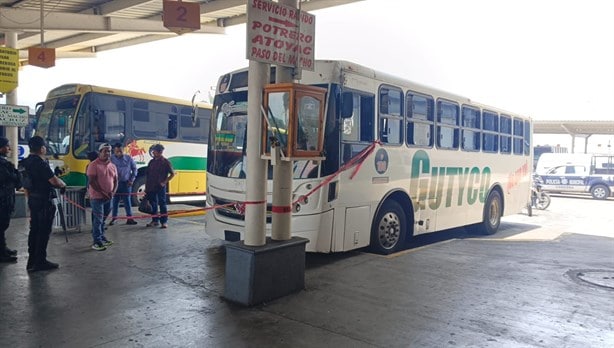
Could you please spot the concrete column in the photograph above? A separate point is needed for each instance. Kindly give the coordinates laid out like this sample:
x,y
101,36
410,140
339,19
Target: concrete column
x,y
282,172
255,214
586,143
11,99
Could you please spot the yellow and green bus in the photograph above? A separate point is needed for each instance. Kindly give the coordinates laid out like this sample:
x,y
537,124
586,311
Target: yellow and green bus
x,y
75,119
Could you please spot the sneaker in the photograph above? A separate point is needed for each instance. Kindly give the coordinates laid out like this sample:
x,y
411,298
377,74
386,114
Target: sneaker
x,y
106,242
112,222
164,226
153,224
99,247
131,222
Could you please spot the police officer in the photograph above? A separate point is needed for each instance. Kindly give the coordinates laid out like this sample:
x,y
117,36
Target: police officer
x,y
9,182
40,202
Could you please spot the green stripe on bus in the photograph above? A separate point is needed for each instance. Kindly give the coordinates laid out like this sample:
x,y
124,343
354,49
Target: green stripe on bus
x,y
188,163
74,179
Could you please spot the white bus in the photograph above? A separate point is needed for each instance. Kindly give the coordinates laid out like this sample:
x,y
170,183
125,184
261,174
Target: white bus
x,y
439,161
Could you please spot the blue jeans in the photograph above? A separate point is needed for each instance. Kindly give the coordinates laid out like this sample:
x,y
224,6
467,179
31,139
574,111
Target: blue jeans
x,y
158,198
123,193
100,209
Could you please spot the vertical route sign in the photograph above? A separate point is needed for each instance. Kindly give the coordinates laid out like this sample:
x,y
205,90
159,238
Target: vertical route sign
x,y
9,67
280,34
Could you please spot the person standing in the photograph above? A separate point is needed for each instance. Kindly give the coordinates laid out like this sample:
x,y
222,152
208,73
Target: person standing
x,y
40,202
9,182
159,173
102,180
126,174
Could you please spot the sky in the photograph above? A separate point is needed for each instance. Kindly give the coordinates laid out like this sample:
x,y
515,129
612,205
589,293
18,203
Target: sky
x,y
548,59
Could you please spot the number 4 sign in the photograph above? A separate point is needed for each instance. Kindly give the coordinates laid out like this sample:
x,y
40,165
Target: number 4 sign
x,y
181,17
43,57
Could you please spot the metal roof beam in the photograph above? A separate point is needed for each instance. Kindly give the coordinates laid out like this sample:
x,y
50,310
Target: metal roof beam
x,y
311,5
28,20
111,7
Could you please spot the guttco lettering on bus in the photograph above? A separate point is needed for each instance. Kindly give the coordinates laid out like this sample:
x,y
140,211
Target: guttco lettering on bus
x,y
438,184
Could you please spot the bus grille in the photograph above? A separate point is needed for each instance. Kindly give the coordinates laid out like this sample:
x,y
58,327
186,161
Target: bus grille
x,y
232,212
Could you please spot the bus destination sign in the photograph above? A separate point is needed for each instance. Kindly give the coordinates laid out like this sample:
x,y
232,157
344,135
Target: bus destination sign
x,y
14,115
280,34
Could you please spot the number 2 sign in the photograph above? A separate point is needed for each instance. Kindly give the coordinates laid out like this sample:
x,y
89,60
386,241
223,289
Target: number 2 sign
x,y
181,17
42,57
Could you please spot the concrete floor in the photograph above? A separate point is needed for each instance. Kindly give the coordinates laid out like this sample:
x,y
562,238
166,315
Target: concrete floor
x,y
163,288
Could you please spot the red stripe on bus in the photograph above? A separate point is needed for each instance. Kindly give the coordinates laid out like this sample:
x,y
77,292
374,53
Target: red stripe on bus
x,y
281,209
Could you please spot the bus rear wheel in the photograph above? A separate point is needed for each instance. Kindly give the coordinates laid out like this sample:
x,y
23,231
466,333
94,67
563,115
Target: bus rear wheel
x,y
493,210
389,229
600,192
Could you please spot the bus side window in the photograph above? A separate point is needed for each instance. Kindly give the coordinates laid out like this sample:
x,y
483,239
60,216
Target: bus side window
x,y
490,132
172,126
419,120
447,125
505,138
471,134
358,131
391,115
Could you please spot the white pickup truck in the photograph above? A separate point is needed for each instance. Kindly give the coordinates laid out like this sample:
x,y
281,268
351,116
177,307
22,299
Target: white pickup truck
x,y
597,178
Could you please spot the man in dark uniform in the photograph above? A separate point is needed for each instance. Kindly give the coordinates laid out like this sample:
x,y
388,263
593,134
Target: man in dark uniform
x,y
9,182
40,202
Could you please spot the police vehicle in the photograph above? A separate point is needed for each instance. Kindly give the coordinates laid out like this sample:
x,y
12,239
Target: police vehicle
x,y
596,178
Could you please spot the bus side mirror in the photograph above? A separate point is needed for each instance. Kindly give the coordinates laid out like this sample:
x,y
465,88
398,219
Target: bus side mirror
x,y
347,105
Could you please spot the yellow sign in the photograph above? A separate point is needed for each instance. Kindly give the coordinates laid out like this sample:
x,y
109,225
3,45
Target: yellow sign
x,y
9,67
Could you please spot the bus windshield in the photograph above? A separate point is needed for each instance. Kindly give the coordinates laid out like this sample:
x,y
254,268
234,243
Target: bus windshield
x,y
227,156
55,121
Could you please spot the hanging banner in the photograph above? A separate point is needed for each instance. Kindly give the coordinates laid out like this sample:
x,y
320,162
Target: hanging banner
x,y
9,68
280,34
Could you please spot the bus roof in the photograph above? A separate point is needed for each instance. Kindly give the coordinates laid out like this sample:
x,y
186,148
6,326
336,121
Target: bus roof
x,y
76,88
335,71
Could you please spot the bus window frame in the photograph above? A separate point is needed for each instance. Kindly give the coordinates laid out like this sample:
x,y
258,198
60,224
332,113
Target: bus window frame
x,y
386,116
430,117
455,128
476,130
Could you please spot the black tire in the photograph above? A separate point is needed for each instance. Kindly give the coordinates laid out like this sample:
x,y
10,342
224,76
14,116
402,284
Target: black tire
x,y
600,191
543,201
493,209
138,190
389,229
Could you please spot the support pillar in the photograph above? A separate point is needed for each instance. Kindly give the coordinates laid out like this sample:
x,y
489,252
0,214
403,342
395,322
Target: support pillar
x,y
261,269
256,179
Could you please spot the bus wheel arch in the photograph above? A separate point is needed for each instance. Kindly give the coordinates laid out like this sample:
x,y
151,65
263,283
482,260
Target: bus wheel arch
x,y
600,191
392,224
493,211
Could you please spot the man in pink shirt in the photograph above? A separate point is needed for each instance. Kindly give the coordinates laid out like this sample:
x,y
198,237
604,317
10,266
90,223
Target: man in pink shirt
x,y
102,183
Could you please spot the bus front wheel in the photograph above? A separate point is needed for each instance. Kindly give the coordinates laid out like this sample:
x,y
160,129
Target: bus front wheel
x,y
493,210
389,229
138,190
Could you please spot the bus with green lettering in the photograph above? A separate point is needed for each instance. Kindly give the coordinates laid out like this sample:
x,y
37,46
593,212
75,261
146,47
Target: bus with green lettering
x,y
76,119
401,160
